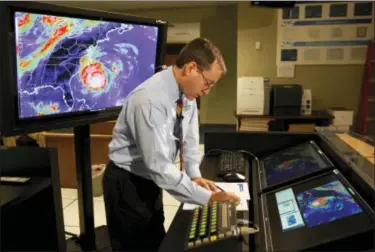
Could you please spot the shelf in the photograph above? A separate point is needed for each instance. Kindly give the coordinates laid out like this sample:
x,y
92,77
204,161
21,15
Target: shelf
x,y
13,194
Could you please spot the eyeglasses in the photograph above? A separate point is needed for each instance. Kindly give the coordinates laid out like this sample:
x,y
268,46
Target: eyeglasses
x,y
207,84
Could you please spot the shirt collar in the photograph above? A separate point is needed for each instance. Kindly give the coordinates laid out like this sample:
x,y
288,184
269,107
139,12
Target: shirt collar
x,y
173,88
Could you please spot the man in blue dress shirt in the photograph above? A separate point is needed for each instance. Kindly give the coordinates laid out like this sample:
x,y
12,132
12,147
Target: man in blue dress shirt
x,y
143,150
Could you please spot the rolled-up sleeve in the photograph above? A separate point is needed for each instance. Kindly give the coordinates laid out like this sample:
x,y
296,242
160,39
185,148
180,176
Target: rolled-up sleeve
x,y
192,155
147,123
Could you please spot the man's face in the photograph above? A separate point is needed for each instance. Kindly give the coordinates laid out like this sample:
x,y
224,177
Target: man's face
x,y
200,82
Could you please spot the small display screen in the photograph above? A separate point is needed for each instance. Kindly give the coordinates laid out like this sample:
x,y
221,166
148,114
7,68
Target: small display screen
x,y
290,215
293,162
327,203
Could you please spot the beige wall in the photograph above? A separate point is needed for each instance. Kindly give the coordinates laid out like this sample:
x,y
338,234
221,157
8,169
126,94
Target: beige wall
x,y
331,85
218,24
235,29
183,15
219,105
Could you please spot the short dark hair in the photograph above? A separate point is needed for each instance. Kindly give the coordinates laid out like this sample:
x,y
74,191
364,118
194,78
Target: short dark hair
x,y
203,52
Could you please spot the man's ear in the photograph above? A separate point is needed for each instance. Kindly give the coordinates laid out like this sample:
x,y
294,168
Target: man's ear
x,y
190,68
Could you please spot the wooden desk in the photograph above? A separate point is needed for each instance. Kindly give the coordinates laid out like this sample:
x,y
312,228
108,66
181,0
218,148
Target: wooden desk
x,y
363,148
356,150
282,123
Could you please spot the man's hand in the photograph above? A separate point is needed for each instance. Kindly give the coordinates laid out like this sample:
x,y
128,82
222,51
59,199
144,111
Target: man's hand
x,y
224,196
208,184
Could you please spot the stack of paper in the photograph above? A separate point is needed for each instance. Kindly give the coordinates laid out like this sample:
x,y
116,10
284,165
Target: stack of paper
x,y
254,124
240,189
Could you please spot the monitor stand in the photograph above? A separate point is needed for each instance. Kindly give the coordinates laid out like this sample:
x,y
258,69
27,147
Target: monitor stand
x,y
84,186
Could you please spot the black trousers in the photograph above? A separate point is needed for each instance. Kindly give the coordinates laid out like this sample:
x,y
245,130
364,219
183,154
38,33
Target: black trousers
x,y
134,211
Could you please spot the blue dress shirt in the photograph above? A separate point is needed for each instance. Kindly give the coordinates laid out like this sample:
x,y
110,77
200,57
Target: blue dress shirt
x,y
143,142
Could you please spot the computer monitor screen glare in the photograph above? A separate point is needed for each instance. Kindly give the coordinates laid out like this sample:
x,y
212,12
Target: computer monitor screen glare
x,y
291,163
67,65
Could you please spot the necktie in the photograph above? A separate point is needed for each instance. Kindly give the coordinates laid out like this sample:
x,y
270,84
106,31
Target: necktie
x,y
179,132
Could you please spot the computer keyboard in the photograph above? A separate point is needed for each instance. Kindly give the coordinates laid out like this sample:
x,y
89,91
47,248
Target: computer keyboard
x,y
231,162
211,223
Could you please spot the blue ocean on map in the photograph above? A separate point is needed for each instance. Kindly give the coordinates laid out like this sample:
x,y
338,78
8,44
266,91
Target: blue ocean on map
x,y
68,65
327,203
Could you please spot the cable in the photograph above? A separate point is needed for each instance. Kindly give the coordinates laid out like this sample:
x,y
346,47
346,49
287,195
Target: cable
x,y
219,151
209,152
249,230
243,239
243,222
247,152
247,227
216,152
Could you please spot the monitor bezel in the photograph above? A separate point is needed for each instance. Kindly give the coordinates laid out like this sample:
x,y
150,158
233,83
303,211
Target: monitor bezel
x,y
263,185
267,232
11,124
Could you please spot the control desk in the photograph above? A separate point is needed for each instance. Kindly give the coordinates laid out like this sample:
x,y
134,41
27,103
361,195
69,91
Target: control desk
x,y
212,222
304,196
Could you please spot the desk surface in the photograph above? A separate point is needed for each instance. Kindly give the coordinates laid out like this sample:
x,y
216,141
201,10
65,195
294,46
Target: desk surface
x,y
363,148
175,238
356,150
315,114
12,194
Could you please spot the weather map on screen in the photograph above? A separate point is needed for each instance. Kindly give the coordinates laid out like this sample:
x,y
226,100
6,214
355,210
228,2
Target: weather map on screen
x,y
67,65
327,203
299,160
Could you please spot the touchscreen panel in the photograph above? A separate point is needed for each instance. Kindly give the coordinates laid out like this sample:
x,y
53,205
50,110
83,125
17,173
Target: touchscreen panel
x,y
290,215
327,203
293,162
321,209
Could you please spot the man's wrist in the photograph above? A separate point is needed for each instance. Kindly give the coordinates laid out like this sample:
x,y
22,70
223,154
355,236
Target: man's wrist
x,y
202,195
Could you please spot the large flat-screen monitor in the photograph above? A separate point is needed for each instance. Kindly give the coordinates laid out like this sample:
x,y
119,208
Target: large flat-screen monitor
x,y
316,213
73,66
292,163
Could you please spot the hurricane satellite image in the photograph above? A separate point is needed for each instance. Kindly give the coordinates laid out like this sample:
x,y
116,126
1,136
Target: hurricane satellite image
x,y
286,169
327,203
68,64
297,161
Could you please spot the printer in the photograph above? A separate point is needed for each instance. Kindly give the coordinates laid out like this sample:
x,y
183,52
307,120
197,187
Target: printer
x,y
286,100
253,95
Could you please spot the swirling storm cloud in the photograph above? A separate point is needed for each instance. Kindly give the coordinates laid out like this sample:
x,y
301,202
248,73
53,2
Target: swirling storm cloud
x,y
327,203
67,65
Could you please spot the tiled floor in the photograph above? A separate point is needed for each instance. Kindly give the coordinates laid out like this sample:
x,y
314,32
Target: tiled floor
x,y
71,217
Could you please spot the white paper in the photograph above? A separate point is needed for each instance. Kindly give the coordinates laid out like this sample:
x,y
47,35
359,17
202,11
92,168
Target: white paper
x,y
243,206
285,71
240,189
188,206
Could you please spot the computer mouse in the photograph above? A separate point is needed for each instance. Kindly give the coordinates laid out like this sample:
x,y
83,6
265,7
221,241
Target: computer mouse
x,y
234,177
